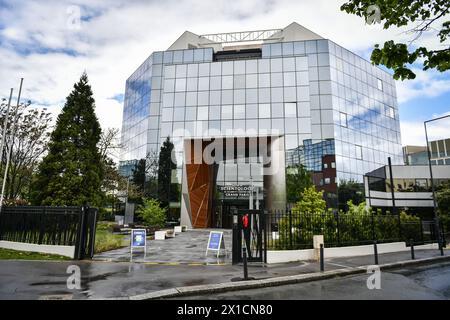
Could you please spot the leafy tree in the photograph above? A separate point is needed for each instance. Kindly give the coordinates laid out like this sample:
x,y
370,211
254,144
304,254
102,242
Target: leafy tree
x,y
297,179
72,171
152,213
423,16
443,201
311,201
350,191
139,175
25,149
166,191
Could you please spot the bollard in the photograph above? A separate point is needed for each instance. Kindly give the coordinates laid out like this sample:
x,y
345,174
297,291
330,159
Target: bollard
x,y
322,267
412,249
244,258
441,248
375,251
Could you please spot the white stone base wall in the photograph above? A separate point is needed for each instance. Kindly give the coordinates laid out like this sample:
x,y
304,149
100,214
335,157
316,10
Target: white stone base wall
x,y
66,251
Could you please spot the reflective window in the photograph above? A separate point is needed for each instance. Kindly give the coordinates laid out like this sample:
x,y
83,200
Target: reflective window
x,y
252,111
203,83
290,110
227,82
276,65
251,81
180,85
214,112
239,81
192,70
216,83
277,110
264,80
264,110
178,114
343,119
276,79
181,71
227,112
202,113
191,113
192,84
239,111
203,69
289,79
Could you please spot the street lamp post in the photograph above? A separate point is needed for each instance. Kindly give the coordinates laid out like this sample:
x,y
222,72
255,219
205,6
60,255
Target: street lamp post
x,y
433,189
10,150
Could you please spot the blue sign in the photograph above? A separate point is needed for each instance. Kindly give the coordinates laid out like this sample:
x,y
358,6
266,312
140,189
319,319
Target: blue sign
x,y
215,239
138,237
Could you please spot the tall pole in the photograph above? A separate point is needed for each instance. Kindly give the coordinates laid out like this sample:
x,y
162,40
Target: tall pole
x,y
436,217
391,179
5,125
10,150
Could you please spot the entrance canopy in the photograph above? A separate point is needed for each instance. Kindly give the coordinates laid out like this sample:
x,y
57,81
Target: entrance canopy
x,y
231,169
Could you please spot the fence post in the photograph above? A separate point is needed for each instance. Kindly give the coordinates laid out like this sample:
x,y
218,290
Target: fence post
x,y
338,229
421,232
322,264
411,242
373,227
41,226
264,224
399,228
290,229
375,251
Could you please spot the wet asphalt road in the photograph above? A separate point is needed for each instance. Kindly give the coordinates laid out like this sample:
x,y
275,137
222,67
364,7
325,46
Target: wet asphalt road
x,y
424,283
100,280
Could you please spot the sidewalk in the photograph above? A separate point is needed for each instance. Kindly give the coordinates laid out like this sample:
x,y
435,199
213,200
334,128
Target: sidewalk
x,y
100,280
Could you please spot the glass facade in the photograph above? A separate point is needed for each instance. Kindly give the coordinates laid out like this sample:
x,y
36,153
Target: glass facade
x,y
334,109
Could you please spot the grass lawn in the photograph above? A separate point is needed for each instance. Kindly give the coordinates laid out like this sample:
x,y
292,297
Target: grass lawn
x,y
105,240
8,254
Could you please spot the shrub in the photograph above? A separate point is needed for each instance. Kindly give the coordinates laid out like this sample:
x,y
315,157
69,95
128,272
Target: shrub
x,y
152,214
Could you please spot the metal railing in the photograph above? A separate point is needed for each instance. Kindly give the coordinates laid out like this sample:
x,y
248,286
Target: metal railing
x,y
287,230
68,226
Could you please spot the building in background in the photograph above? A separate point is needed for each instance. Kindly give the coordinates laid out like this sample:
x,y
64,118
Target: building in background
x,y
308,99
417,155
412,188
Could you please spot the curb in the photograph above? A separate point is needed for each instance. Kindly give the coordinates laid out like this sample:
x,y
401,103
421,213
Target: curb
x,y
276,281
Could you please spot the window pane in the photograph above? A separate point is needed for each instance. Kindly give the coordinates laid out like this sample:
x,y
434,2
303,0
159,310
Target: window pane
x,y
264,110
227,112
239,111
290,110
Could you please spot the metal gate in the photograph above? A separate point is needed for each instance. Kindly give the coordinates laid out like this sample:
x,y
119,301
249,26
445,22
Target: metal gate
x,y
253,236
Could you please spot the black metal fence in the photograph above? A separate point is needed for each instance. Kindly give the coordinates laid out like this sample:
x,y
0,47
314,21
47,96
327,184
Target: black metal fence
x,y
69,226
292,230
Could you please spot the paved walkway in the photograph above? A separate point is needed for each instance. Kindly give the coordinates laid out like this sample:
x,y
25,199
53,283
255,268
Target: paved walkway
x,y
186,247
99,280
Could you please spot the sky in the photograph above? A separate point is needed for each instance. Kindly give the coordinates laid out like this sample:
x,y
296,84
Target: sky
x,y
51,43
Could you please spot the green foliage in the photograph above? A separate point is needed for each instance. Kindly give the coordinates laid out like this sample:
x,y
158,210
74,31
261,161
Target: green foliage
x,y
166,191
422,16
72,171
350,190
311,201
443,201
297,179
105,240
357,226
152,213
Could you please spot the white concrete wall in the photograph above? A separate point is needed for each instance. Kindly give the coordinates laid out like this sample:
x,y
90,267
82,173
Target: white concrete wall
x,y
282,256
67,251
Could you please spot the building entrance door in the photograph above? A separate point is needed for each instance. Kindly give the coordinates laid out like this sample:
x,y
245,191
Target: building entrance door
x,y
224,212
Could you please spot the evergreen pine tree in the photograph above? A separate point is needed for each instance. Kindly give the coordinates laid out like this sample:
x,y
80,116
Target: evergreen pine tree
x,y
166,191
72,171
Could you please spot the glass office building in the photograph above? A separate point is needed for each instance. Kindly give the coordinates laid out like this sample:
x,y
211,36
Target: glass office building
x,y
316,103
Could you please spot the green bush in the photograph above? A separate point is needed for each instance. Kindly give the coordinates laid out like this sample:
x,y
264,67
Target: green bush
x,y
152,213
357,226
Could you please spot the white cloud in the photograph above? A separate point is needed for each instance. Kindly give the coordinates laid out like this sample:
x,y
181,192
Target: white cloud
x,y
413,132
